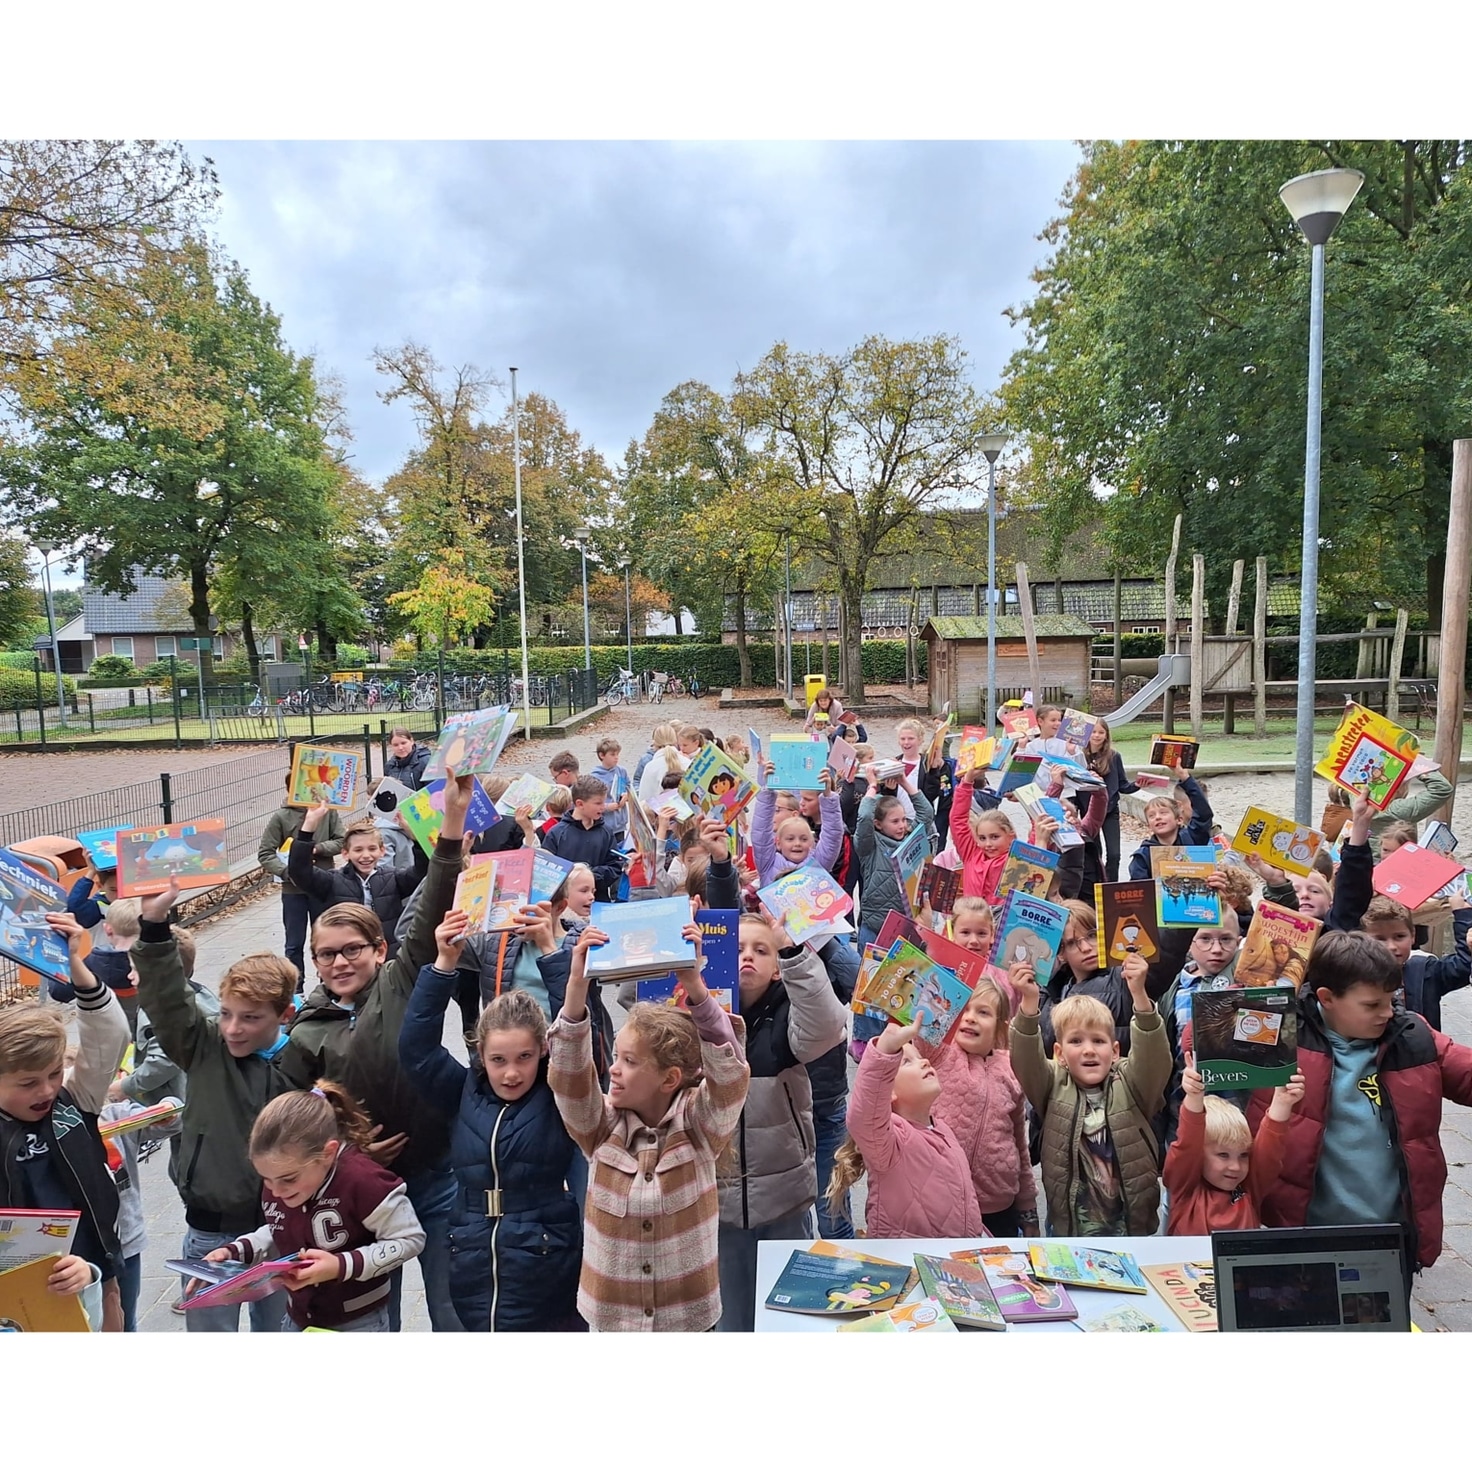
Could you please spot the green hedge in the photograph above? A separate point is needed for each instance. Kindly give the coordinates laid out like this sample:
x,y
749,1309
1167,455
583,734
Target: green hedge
x,y
1131,646
18,687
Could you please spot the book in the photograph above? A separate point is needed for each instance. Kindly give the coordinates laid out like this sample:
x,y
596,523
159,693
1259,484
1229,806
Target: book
x,y
142,1120
1028,929
907,859
1128,921
26,898
1184,900
1174,751
1121,1321
1412,874
191,854
472,742
936,747
1439,838
1019,722
907,1318
975,750
1278,841
714,783
424,813
27,1234
102,847
28,1306
888,769
839,1247
758,755
1245,1037
940,888
246,1285
1072,771
474,888
1038,804
817,1283
1018,771
1189,1288
797,766
1276,947
513,891
1055,1261
1076,729
1029,869
645,938
641,831
1153,779
843,759
525,790
961,1289
1021,1295
910,981
548,874
1369,755
323,774
809,902
720,943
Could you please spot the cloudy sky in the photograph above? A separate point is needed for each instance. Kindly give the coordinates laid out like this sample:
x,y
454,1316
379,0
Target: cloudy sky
x,y
610,272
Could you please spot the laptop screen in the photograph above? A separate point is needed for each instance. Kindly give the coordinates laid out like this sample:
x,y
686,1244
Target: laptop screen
x,y
1339,1278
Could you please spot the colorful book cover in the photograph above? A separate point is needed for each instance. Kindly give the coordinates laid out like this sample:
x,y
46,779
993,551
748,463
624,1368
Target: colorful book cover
x,y
714,783
1019,721
191,854
641,832
474,889
102,847
1174,751
526,790
871,958
907,859
909,1318
1245,1037
321,774
1190,1290
144,1119
28,1306
910,982
1412,874
1016,772
424,813
245,1286
843,759
1021,1295
1086,1267
1029,869
840,1247
513,891
758,754
1038,804
1076,729
940,887
970,966
1369,755
1439,838
472,742
26,898
962,1290
817,1283
645,938
720,943
1278,841
1031,930
548,873
1276,947
936,747
27,1234
1128,921
1121,1321
1185,901
797,766
975,750
809,902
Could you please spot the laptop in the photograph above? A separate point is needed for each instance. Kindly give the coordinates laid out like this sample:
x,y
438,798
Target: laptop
x,y
1347,1279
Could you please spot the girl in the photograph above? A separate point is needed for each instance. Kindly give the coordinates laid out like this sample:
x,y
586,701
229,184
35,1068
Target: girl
x,y
782,845
348,1218
516,1237
1107,762
933,775
651,783
972,925
676,1089
738,750
663,735
983,841
881,828
1396,835
1163,819
919,1179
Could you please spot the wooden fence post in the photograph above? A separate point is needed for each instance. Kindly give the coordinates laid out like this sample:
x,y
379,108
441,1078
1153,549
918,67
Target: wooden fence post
x,y
1397,655
1234,604
1452,673
1029,632
1171,645
1260,651
1198,638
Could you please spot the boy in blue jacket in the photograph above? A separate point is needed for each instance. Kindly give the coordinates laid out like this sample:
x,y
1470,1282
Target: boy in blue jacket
x,y
1424,979
582,837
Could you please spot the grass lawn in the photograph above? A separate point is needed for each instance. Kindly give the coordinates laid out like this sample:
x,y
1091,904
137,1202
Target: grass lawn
x,y
1133,741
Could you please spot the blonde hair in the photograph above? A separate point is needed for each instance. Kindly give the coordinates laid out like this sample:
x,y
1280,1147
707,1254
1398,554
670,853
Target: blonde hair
x,y
670,1035
1399,833
362,828
264,978
306,1121
1226,1124
986,986
495,785
1082,914
664,734
690,733
864,750
794,824
671,757
992,817
559,895
513,1011
736,746
32,1039
910,723
1170,805
124,918
559,800
1081,1011
848,1171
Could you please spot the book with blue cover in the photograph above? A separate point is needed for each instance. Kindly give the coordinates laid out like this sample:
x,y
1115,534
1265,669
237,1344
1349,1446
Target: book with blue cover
x,y
1184,897
548,874
645,938
424,813
797,766
102,847
1031,930
25,936
720,943
714,783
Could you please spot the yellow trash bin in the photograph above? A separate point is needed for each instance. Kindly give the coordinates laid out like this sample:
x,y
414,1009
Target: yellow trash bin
x,y
811,685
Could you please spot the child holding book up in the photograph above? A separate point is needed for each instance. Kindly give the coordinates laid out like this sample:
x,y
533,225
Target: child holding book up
x,y
883,825
1425,980
983,841
787,843
1167,825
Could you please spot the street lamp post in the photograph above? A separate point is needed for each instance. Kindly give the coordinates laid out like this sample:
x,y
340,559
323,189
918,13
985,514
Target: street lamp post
x,y
526,677
991,446
46,549
787,611
623,562
1317,202
580,536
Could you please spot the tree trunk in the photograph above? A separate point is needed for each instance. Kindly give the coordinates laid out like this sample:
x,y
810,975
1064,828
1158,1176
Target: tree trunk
x,y
851,594
252,648
743,652
326,646
199,616
679,624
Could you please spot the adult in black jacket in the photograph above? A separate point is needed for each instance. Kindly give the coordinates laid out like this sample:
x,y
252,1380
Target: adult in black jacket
x,y
407,759
359,882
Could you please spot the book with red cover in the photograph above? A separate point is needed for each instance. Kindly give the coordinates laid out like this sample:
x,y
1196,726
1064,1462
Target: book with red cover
x,y
1413,874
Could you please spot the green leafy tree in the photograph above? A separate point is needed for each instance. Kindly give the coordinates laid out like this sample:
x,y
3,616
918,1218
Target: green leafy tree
x,y
19,601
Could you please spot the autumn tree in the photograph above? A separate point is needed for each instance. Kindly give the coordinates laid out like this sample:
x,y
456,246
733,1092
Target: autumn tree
x,y
19,601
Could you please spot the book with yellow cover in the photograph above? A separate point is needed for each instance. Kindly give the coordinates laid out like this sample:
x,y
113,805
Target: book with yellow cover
x,y
1278,841
474,891
322,774
28,1306
1369,755
1190,1290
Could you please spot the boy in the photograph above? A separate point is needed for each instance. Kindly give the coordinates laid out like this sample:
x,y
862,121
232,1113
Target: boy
x,y
114,967
1101,1171
155,1076
232,1076
297,908
1424,979
360,881
1365,1145
563,769
582,837
398,847
616,780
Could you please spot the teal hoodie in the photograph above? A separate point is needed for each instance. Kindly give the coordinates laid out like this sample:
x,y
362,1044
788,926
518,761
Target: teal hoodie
x,y
1358,1175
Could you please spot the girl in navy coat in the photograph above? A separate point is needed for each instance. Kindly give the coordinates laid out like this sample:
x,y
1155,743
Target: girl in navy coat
x,y
516,1234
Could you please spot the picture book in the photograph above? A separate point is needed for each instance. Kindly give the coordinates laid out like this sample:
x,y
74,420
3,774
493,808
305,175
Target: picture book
x,y
719,931
1174,751
1038,804
910,982
714,783
841,1247
1071,769
26,1234
142,1120
1086,1267
871,958
817,1283
102,848
1190,1290
907,1318
1165,853
641,831
1121,1321
1276,946
474,889
843,759
1021,1295
797,766
245,1286
940,888
908,861
513,889
1439,838
321,774
424,813
669,797
1076,729
1285,845
975,750
1184,899
899,927
809,902
970,966
962,1290
1369,755
472,742
25,935
548,873
192,854
28,1306
1020,721
1245,1037
525,790
936,747
1028,929
1128,921
1016,772
1412,874
758,753
645,938
1029,869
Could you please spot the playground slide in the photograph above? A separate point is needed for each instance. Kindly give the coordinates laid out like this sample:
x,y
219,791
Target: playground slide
x,y
1175,669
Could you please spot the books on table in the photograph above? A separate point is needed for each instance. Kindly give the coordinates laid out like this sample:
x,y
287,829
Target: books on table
x,y
1029,868
1021,1295
714,783
323,774
1185,901
820,1283
26,937
472,742
192,855
1280,842
1412,874
1276,947
962,1289
1128,922
1031,930
1245,1037
928,1314
1128,1320
1370,755
809,902
1174,751
1190,1290
645,938
1055,1261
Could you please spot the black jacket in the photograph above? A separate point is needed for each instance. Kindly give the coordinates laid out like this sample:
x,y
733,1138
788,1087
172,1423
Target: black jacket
x,y
410,769
591,846
388,887
1427,979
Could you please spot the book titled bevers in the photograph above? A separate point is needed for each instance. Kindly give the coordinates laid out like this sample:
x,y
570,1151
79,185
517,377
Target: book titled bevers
x,y
1245,1037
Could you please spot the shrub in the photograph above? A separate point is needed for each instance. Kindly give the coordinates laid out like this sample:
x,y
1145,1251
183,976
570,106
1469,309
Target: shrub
x,y
351,656
18,687
161,669
112,667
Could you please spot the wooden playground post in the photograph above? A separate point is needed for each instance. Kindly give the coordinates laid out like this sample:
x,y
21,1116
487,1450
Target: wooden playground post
x,y
1260,651
1397,655
1234,604
1029,631
1170,619
1118,645
1198,638
1452,671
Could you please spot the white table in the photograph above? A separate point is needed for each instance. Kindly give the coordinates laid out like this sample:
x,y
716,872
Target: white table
x,y
771,1258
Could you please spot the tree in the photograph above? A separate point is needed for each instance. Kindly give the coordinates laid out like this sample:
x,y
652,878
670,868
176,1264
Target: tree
x,y
18,599
1167,346
606,596
447,601
862,444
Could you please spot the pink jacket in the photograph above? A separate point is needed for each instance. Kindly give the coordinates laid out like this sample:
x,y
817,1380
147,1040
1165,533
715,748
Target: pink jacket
x,y
919,1181
982,1102
979,874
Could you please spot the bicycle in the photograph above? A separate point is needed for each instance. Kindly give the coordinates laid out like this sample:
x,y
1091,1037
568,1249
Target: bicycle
x,y
658,683
623,686
693,687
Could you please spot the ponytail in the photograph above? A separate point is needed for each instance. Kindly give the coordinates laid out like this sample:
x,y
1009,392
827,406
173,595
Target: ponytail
x,y
848,1171
306,1122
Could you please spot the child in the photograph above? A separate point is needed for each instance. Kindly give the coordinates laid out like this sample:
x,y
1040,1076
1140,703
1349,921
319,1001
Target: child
x,y
563,769
689,740
1216,1174
676,1089
934,776
559,800
1393,836
297,908
1365,1145
663,735
1163,819
1419,797
112,967
155,1076
767,1180
1103,759
89,898
882,827
513,830
582,835
1424,979
516,1235
398,847
51,1156
318,1185
407,758
1338,904
919,1178
665,762
616,780
360,881
983,841
782,845
738,750
973,927
1101,1166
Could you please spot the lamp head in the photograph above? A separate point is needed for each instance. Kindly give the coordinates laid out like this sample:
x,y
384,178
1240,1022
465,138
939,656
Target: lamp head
x,y
45,548
581,534
1319,201
623,564
992,445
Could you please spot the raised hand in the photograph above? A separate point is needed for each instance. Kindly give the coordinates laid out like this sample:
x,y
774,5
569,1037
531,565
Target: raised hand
x,y
575,1000
1135,969
156,907
314,816
715,838
69,926
779,931
894,1037
1286,1098
459,788
449,937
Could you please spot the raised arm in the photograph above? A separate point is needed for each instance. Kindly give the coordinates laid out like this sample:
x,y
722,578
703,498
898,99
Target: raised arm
x,y
1354,881
870,1118
178,1021
830,834
763,840
960,820
300,869
1422,798
571,1074
1025,1047
102,1027
864,841
439,1078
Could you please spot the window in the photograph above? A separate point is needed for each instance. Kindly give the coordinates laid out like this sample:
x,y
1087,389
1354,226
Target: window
x,y
164,645
123,644
219,647
1143,629
268,647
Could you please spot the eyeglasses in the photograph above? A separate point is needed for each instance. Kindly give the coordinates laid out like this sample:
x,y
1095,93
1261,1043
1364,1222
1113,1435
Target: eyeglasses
x,y
348,953
1215,942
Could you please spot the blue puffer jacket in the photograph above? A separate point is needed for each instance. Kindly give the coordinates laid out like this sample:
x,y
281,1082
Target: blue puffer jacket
x,y
516,1271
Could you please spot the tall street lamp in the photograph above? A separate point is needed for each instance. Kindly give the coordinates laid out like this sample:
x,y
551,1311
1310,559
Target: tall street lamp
x,y
787,610
1317,202
526,677
991,446
46,549
623,562
580,536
